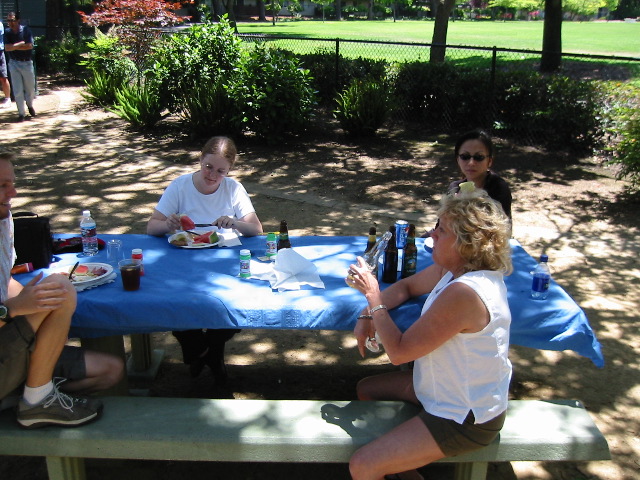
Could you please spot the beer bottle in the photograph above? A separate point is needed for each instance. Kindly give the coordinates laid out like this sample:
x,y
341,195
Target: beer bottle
x,y
410,256
283,239
390,266
372,239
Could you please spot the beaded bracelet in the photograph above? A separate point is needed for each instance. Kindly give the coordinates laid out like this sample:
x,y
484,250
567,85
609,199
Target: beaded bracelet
x,y
362,317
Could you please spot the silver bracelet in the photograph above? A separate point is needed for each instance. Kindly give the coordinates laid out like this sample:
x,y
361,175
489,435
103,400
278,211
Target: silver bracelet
x,y
362,317
376,308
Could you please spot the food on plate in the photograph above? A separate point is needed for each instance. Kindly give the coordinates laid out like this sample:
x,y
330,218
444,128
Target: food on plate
x,y
207,237
84,272
181,239
186,223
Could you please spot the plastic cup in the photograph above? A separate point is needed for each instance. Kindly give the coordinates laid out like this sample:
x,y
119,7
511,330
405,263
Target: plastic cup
x,y
114,252
130,273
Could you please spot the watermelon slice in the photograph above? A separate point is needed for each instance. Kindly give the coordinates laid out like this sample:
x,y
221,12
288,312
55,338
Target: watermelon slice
x,y
186,223
208,237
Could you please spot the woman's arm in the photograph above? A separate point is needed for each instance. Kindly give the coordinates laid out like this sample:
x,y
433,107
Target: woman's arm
x,y
396,294
458,309
159,224
249,225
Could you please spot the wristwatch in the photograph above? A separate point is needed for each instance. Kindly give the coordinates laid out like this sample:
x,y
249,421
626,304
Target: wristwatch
x,y
4,314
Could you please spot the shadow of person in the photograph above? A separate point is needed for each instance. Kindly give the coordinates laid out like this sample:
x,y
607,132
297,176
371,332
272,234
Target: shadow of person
x,y
365,420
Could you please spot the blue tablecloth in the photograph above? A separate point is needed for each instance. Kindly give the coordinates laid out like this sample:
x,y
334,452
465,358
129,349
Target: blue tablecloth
x,y
185,289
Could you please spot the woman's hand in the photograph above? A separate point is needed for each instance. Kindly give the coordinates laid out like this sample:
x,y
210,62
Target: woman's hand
x,y
361,278
363,330
173,223
225,222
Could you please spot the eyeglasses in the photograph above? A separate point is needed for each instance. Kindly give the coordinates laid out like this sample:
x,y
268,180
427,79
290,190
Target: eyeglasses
x,y
465,157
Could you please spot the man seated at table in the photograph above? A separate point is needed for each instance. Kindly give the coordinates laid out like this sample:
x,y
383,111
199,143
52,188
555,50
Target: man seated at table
x,y
34,326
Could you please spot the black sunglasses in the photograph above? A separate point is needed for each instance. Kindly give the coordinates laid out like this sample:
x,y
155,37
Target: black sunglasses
x,y
465,157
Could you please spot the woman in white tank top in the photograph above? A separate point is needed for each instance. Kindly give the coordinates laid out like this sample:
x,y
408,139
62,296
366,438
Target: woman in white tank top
x,y
459,345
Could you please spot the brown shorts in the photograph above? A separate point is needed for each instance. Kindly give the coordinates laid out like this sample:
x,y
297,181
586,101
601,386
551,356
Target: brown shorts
x,y
17,340
456,439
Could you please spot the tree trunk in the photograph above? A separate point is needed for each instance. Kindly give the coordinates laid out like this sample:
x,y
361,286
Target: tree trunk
x,y
439,40
228,5
552,36
262,11
338,9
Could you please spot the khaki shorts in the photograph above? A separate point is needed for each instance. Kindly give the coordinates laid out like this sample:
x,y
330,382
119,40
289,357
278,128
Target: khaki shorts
x,y
17,340
456,439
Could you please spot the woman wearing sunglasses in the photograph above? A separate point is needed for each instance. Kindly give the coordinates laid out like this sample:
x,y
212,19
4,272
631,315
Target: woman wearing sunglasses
x,y
474,154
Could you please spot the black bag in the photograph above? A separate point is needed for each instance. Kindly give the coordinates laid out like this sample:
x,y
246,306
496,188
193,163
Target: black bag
x,y
32,239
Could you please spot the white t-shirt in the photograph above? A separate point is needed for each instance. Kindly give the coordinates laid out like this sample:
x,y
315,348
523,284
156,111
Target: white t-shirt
x,y
7,255
181,196
471,371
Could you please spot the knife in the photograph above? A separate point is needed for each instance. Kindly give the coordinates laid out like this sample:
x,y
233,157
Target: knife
x,y
204,224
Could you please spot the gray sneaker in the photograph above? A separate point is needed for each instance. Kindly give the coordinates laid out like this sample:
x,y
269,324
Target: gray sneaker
x,y
59,409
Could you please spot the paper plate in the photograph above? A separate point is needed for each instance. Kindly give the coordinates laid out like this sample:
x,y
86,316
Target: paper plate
x,y
84,280
193,245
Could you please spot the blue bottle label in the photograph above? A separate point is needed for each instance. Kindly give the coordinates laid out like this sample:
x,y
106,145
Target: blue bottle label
x,y
540,283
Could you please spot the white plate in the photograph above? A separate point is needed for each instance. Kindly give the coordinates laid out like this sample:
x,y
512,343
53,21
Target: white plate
x,y
196,245
86,279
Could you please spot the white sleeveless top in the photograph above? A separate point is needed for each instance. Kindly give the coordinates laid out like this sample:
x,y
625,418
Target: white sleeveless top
x,y
471,371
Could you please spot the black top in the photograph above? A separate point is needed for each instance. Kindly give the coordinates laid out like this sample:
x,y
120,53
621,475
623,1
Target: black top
x,y
496,188
23,34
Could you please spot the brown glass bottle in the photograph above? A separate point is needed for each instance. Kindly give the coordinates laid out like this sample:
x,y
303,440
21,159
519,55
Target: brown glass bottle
x,y
283,239
372,239
410,255
390,266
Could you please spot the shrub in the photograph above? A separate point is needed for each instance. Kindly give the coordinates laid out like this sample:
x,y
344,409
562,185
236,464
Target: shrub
x,y
626,150
101,88
275,92
200,54
62,56
209,110
139,103
363,107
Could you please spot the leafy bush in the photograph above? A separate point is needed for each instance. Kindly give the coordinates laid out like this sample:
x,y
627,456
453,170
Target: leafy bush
x,y
209,110
62,56
101,88
275,92
363,107
627,151
556,111
200,54
139,103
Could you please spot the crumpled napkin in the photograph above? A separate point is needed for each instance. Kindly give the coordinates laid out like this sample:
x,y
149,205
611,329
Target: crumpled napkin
x,y
290,271
108,279
229,239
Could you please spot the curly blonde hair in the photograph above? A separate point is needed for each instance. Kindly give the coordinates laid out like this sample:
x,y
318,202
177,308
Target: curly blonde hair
x,y
482,230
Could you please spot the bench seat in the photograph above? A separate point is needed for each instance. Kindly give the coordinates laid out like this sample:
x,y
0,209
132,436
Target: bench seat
x,y
308,431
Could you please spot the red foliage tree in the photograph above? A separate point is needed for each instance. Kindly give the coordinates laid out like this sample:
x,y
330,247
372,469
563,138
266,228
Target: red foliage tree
x,y
134,13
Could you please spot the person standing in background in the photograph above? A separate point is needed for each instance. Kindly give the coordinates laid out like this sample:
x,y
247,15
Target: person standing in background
x,y
4,80
19,46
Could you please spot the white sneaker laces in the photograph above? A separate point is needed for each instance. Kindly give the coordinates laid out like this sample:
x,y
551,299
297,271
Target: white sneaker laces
x,y
65,400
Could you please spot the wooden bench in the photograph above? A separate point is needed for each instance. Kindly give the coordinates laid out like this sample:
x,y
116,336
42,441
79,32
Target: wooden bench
x,y
304,431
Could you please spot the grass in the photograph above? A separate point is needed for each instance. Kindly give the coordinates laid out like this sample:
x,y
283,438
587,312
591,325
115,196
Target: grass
x,y
601,38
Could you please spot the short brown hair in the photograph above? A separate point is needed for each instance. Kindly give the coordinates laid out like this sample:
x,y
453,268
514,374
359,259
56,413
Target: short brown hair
x,y
223,146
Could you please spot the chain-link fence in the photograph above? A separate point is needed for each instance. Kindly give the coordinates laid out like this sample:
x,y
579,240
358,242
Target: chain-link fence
x,y
474,86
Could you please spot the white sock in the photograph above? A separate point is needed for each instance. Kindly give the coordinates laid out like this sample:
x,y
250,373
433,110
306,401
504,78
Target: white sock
x,y
35,395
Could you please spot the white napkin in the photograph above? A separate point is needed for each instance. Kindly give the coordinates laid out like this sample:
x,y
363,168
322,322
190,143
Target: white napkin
x,y
108,279
229,239
290,271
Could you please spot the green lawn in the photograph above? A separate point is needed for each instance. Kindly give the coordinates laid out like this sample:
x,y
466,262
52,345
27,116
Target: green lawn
x,y
602,38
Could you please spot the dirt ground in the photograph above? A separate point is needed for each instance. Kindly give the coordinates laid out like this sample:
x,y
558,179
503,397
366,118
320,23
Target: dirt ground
x,y
73,157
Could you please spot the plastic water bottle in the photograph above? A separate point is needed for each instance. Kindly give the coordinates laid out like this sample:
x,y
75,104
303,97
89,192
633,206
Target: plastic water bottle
x,y
88,233
541,279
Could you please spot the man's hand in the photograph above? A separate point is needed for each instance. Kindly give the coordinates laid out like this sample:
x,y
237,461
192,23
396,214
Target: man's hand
x,y
40,296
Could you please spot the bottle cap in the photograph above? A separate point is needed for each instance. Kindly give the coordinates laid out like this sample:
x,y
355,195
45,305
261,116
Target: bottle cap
x,y
86,212
245,252
544,258
136,251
